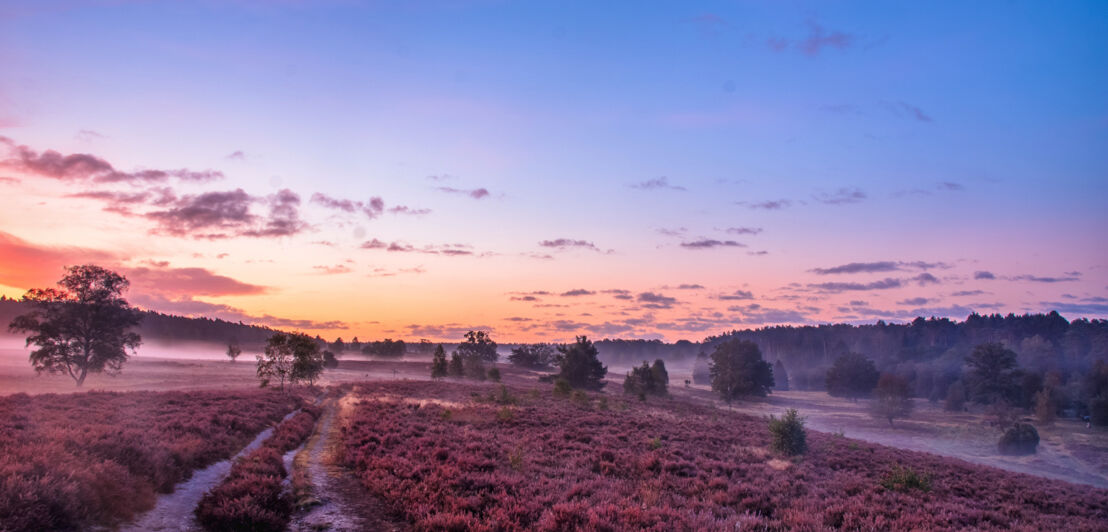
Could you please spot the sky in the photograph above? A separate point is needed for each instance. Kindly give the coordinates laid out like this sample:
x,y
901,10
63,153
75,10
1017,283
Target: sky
x,y
548,169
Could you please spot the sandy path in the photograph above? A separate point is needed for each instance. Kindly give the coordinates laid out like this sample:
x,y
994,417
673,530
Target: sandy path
x,y
174,511
340,503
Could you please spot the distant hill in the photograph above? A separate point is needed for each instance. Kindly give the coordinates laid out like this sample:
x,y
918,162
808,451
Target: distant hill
x,y
168,328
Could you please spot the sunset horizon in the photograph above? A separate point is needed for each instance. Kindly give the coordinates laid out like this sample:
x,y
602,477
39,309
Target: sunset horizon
x,y
416,172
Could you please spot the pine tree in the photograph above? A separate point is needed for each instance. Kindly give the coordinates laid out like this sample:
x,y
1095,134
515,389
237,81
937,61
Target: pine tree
x,y
439,366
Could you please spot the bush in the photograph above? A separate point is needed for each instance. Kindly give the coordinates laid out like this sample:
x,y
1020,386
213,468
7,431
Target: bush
x,y
562,387
1018,440
906,479
789,437
494,374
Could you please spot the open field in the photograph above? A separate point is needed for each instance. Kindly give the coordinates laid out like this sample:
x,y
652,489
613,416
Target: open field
x,y
70,461
530,460
471,457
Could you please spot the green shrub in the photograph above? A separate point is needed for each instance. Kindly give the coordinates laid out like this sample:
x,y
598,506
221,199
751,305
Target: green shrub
x,y
494,374
789,437
562,387
1020,439
905,479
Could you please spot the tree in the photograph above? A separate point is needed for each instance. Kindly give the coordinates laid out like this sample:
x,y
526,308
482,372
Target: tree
x,y
580,365
992,375
478,344
329,360
439,366
474,367
290,357
457,367
851,376
233,351
644,380
955,397
737,370
83,327
307,361
780,376
533,356
339,346
1046,408
789,436
891,399
661,376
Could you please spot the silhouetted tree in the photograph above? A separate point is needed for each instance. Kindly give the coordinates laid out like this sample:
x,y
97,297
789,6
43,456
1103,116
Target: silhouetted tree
x,y
891,398
992,375
338,346
851,376
580,365
457,367
233,351
474,367
702,373
955,397
1095,392
290,357
439,366
385,348
533,356
737,370
646,380
85,326
479,345
329,360
780,377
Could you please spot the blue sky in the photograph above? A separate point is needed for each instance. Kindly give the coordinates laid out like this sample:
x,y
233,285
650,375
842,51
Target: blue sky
x,y
968,134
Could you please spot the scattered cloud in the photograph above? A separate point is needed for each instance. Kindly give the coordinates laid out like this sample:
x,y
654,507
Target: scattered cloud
x,y
743,230
770,205
653,300
964,293
475,193
577,292
711,243
236,155
372,208
982,275
1037,279
332,270
915,301
883,284
908,110
401,247
564,243
925,279
737,295
658,183
161,279
879,266
841,196
685,286
84,167
88,135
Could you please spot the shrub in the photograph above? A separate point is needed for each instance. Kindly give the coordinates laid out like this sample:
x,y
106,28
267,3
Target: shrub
x,y
494,374
562,387
1018,440
94,460
905,479
252,496
579,398
789,437
955,397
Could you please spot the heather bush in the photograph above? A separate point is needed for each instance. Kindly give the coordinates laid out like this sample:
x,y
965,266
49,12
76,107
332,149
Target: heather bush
x,y
79,461
789,437
1021,438
680,466
252,497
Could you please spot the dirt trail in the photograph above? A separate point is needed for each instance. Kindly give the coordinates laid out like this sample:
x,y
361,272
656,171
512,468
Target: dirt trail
x,y
174,511
339,502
